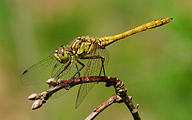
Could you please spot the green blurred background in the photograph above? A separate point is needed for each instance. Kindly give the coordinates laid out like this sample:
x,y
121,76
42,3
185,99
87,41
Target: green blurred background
x,y
156,65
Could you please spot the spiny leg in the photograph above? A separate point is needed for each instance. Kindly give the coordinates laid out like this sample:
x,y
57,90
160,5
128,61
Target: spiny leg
x,y
102,66
67,66
102,62
85,88
78,70
60,73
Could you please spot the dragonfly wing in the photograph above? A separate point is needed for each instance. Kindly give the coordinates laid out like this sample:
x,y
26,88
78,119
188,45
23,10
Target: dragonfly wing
x,y
63,72
92,65
92,68
59,93
84,89
39,72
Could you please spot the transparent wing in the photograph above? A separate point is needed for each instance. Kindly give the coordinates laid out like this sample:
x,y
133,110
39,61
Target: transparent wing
x,y
59,93
60,72
45,69
92,68
65,71
39,72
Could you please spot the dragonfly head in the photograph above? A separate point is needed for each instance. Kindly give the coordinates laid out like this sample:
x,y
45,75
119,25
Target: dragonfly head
x,y
61,54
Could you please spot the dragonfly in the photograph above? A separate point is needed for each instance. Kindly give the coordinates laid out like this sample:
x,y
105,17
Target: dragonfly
x,y
82,58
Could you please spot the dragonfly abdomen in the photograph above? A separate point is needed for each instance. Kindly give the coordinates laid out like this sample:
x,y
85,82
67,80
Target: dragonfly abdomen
x,y
153,24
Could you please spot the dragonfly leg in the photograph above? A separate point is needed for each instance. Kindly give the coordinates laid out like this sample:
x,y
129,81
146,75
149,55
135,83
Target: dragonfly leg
x,y
78,70
102,62
102,66
84,89
59,75
66,69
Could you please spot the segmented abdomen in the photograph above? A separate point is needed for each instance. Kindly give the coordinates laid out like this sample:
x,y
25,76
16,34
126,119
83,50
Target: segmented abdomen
x,y
153,24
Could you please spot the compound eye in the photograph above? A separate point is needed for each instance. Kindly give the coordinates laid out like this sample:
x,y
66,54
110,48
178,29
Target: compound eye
x,y
61,50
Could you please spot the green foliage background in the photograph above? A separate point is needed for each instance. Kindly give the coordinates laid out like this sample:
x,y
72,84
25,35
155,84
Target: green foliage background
x,y
155,66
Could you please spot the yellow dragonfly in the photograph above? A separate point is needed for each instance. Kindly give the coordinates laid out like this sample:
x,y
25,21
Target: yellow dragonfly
x,y
82,58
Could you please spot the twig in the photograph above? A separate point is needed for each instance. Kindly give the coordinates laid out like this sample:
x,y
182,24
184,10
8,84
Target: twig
x,y
120,97
99,109
121,93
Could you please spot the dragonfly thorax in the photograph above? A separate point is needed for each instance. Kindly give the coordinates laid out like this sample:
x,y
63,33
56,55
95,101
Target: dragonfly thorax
x,y
61,54
84,45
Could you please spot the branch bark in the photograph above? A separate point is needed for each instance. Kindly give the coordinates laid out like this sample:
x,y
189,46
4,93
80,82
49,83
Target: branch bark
x,y
120,97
